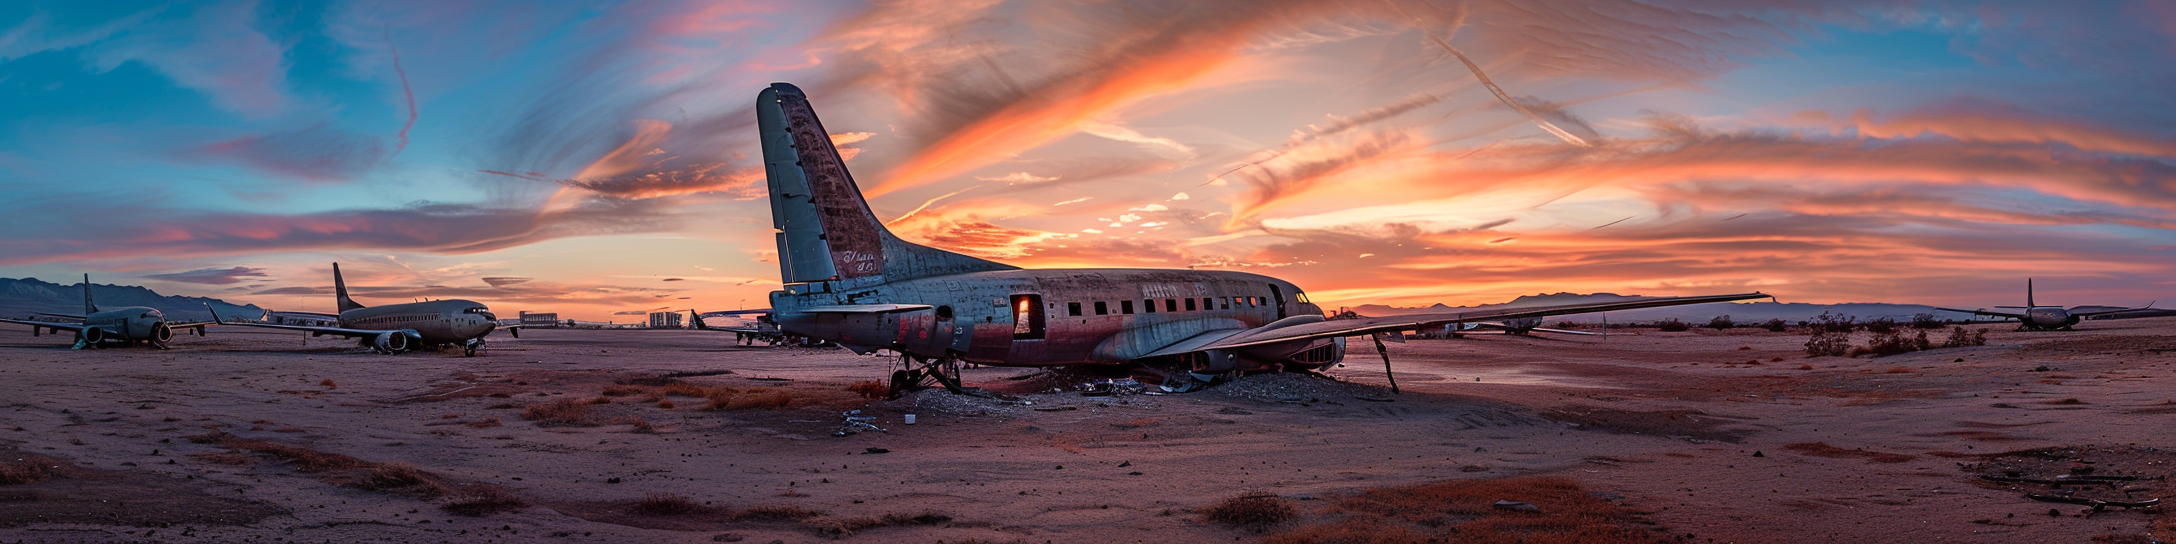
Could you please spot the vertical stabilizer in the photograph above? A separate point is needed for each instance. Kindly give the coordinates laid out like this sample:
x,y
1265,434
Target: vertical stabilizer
x,y
88,307
825,229
340,291
2028,293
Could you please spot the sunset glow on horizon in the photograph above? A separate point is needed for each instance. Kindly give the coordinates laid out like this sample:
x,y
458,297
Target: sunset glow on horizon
x,y
601,160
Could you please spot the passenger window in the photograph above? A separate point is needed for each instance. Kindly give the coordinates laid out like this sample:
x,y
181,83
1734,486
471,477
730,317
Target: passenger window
x,y
1171,305
1208,303
1125,307
1102,308
1148,305
1227,302
1072,309
1189,304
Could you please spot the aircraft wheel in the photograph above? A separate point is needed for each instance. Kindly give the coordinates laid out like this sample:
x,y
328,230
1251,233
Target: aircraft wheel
x,y
468,351
902,381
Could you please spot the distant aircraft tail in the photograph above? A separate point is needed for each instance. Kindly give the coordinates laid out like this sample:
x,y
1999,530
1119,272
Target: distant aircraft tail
x,y
2028,293
340,290
697,319
825,229
88,307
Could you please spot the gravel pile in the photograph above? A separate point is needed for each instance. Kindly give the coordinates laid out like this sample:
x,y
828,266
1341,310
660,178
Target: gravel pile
x,y
1292,387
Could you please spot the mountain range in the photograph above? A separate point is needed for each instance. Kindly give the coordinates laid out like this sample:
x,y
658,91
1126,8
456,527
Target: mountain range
x,y
1741,312
22,297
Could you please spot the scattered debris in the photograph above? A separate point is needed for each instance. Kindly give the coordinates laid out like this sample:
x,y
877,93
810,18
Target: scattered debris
x,y
852,423
1515,506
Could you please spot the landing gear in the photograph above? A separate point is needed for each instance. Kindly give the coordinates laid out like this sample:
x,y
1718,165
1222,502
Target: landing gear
x,y
920,369
470,348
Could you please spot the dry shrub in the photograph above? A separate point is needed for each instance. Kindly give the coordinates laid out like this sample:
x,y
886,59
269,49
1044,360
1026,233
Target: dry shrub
x,y
483,501
684,389
1255,511
1774,325
1464,511
1926,321
486,422
1673,325
840,528
1721,322
1883,325
1358,530
328,383
1891,343
564,412
643,427
303,459
1959,337
1825,343
750,400
403,478
23,471
1822,449
870,389
617,390
666,404
667,504
600,400
1838,323
776,513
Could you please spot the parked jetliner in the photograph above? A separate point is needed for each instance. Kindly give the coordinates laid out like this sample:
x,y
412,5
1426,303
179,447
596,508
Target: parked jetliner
x,y
126,325
401,327
849,280
2041,318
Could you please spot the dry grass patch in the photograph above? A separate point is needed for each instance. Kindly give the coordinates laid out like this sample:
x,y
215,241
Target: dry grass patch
x,y
303,459
841,528
1256,511
564,412
750,400
776,513
871,390
1819,449
402,478
1465,511
617,390
23,471
483,500
667,504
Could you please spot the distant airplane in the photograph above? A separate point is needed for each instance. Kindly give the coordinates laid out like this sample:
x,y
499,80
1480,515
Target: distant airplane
x,y
400,327
2044,318
127,325
761,327
849,280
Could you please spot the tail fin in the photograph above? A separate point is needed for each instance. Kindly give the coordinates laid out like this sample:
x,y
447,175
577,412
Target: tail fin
x,y
88,307
697,319
340,291
2028,293
825,229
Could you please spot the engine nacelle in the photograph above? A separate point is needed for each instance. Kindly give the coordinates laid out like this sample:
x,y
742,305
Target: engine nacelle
x,y
392,342
93,335
161,333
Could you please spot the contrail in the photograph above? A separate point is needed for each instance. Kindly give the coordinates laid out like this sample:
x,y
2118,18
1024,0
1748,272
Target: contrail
x,y
411,94
1492,88
925,205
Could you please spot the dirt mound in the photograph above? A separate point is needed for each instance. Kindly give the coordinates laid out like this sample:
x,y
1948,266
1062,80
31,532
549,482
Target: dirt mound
x,y
1693,424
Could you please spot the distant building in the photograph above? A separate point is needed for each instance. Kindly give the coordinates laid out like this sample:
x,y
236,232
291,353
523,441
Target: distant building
x,y
664,320
300,318
540,320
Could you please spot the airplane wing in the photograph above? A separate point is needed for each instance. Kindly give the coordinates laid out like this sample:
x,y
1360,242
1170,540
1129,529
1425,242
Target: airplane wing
x,y
48,325
697,317
1369,325
67,316
313,330
2147,311
1983,312
1495,325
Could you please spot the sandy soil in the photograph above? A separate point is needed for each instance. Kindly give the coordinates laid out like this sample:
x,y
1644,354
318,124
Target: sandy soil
x,y
1684,429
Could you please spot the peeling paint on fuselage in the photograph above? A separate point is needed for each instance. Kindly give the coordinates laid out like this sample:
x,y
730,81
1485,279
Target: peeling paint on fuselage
x,y
973,315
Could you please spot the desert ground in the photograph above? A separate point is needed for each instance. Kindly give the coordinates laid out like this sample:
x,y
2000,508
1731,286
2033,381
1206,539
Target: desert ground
x,y
679,436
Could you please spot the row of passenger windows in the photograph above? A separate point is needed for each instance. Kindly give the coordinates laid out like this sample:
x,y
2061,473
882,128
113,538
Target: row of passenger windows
x,y
1148,306
397,319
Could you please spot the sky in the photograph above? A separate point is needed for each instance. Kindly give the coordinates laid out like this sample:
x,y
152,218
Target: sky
x,y
600,159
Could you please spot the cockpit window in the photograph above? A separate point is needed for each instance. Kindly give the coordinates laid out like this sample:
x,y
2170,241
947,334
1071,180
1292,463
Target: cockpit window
x,y
477,310
1302,297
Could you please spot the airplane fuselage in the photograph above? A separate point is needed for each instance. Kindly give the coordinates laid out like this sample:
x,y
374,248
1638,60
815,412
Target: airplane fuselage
x,y
1047,317
436,322
2048,317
